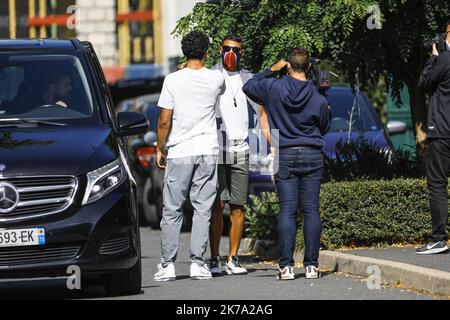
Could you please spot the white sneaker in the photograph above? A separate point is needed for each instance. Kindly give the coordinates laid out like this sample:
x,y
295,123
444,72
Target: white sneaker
x,y
234,267
165,274
312,272
287,273
200,272
215,266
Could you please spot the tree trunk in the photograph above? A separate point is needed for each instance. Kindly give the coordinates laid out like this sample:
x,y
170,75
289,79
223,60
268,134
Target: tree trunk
x,y
419,120
418,106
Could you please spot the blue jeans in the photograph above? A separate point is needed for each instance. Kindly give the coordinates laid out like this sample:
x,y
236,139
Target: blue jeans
x,y
298,180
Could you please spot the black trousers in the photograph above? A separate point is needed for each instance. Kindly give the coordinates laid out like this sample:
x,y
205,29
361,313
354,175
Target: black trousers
x,y
438,167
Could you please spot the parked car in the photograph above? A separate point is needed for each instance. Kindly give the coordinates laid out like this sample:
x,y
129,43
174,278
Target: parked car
x,y
138,80
150,178
67,196
142,148
352,107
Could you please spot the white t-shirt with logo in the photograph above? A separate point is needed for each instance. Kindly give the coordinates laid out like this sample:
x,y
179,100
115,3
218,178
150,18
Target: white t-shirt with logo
x,y
234,119
192,95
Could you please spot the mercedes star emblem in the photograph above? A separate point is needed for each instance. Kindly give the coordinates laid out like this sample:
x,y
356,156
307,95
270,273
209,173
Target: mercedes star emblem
x,y
9,197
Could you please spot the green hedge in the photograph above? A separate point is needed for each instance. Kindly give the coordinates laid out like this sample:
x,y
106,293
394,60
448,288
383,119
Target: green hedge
x,y
360,213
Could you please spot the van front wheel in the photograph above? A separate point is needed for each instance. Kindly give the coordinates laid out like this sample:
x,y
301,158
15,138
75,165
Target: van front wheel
x,y
125,282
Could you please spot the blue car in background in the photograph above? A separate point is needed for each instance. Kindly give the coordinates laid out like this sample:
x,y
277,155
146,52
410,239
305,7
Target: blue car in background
x,y
137,80
355,119
142,148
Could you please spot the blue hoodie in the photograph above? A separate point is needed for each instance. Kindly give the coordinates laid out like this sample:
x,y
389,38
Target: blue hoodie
x,y
294,107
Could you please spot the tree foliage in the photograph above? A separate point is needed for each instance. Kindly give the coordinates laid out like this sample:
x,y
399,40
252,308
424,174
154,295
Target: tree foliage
x,y
331,29
335,30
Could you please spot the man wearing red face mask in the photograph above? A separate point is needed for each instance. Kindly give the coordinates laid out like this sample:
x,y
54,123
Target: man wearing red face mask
x,y
235,115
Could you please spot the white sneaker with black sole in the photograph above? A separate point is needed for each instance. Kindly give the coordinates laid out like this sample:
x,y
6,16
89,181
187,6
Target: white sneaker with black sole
x,y
215,266
200,272
234,267
312,272
433,248
165,274
287,273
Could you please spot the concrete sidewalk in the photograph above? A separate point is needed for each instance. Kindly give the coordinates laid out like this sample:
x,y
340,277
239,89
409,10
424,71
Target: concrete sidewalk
x,y
391,266
406,255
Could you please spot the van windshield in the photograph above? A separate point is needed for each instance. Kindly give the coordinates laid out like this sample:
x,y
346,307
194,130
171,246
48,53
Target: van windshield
x,y
45,87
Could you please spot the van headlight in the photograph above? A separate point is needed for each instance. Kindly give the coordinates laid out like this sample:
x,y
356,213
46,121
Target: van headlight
x,y
103,180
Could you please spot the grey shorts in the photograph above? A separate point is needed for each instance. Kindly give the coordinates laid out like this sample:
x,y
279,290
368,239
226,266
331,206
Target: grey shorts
x,y
233,178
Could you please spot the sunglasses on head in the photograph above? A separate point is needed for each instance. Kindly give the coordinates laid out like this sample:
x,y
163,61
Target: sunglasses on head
x,y
228,48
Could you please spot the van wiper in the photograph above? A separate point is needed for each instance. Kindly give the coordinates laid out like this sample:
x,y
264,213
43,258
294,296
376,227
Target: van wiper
x,y
17,121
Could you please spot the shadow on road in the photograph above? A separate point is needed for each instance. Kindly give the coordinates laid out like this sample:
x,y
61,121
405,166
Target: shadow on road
x,y
56,289
297,275
48,289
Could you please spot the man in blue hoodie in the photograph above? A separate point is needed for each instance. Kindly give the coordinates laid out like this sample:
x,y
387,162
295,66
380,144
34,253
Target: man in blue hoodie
x,y
302,116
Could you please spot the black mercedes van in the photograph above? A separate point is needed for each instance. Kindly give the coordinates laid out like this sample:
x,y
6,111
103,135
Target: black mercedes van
x,y
67,196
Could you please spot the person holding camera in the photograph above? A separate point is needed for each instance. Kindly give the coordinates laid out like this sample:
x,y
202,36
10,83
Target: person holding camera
x,y
293,105
436,80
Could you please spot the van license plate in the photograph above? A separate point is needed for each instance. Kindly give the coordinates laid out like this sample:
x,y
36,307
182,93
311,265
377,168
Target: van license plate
x,y
22,237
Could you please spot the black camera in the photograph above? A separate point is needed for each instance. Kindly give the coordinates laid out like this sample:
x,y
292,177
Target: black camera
x,y
321,79
441,44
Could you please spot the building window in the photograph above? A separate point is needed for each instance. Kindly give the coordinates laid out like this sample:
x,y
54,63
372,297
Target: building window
x,y
4,20
21,19
13,19
135,28
48,19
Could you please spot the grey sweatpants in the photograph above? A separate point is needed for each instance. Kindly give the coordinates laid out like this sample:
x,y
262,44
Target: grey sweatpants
x,y
197,177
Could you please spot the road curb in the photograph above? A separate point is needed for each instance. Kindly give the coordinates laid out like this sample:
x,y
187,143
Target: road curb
x,y
261,248
392,273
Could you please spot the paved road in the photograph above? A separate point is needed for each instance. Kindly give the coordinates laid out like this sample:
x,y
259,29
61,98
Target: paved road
x,y
260,283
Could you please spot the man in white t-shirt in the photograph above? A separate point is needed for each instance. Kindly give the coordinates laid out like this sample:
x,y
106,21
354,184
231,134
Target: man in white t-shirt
x,y
187,129
236,114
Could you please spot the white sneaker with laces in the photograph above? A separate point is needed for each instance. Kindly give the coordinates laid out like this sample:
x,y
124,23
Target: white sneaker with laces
x,y
287,273
312,272
165,274
234,267
200,272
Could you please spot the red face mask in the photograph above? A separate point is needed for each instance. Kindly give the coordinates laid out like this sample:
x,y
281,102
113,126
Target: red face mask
x,y
230,59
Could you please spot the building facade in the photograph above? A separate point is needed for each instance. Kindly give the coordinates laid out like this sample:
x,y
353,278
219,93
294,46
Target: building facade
x,y
123,32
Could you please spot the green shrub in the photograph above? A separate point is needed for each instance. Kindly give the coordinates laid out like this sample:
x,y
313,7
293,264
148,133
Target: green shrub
x,y
359,213
261,217
361,159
